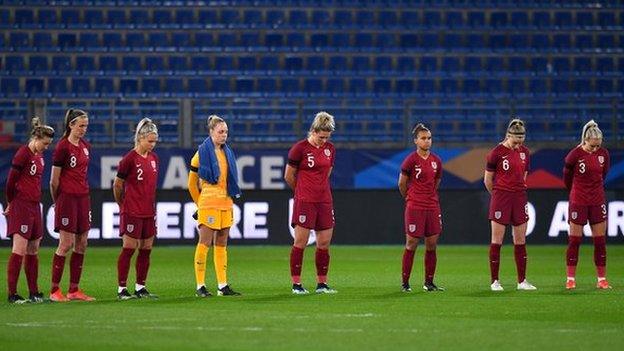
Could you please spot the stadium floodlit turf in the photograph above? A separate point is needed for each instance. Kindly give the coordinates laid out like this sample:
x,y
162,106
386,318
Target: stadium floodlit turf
x,y
368,313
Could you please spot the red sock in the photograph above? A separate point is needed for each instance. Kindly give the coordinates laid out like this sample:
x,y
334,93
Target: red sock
x,y
123,265
296,261
521,260
574,242
494,261
430,265
142,265
75,270
58,264
31,268
13,270
408,261
600,255
322,264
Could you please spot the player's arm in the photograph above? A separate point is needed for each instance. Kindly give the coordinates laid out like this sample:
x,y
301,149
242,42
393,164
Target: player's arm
x,y
118,187
193,184
403,184
607,165
568,171
14,173
290,176
54,182
330,172
488,180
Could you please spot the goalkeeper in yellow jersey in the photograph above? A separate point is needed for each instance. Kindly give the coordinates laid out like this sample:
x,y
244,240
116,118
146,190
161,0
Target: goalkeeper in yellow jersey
x,y
213,183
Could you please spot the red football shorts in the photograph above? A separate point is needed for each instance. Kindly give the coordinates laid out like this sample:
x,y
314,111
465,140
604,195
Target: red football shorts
x,y
25,219
137,227
509,207
72,213
580,214
419,223
313,215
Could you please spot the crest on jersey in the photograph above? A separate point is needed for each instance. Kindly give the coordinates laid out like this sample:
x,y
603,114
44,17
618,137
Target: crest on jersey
x,y
411,228
130,228
153,164
211,219
601,159
85,150
302,218
434,165
65,221
522,156
497,214
24,228
574,215
327,152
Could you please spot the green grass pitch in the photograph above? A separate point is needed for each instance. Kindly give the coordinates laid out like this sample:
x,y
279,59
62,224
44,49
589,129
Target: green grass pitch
x,y
368,313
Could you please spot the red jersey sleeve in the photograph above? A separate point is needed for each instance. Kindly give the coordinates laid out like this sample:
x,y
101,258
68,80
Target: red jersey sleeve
x,y
60,155
439,172
333,152
17,165
607,164
527,167
408,165
295,155
568,168
492,161
124,167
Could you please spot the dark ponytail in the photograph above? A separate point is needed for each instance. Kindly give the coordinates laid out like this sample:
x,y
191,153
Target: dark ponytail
x,y
419,127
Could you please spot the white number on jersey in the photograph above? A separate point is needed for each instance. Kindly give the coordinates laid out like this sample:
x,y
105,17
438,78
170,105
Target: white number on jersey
x,y
310,161
582,168
505,165
418,172
33,169
139,174
72,161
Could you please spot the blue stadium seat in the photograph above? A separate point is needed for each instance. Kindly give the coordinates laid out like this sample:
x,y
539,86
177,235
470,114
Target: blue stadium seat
x,y
116,18
290,86
227,40
338,64
4,18
25,18
476,19
164,19
409,41
109,63
129,87
224,63
516,87
15,65
58,87
35,87
453,42
204,41
472,87
520,20
563,19
247,63
321,18
95,19
472,64
298,19
70,18
585,19
185,18
231,18
19,40
358,86
454,19
605,87
428,64
561,64
429,41
518,64
140,19
406,64
363,41
520,42
315,64
606,66
81,87
450,65
156,65
494,64
174,87
405,87
61,64
342,18
494,87
319,41
251,41
607,19
336,86
181,39
9,87
539,64
365,19
341,40
361,64
425,86
158,40
38,63
275,18
382,87
208,18
562,42
136,41
538,88
383,64
582,64
561,87
498,42
449,87
386,41
584,42
295,40
113,42
48,18
105,87
198,87
606,42
267,86
313,87
43,41
499,19
293,63
476,42
244,85
67,41
90,42
132,64
432,19
541,19
388,19
151,86
269,64
274,40
540,42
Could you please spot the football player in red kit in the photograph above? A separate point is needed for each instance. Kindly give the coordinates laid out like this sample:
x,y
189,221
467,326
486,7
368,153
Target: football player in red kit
x,y
310,163
505,179
23,211
420,176
585,170
135,193
69,187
